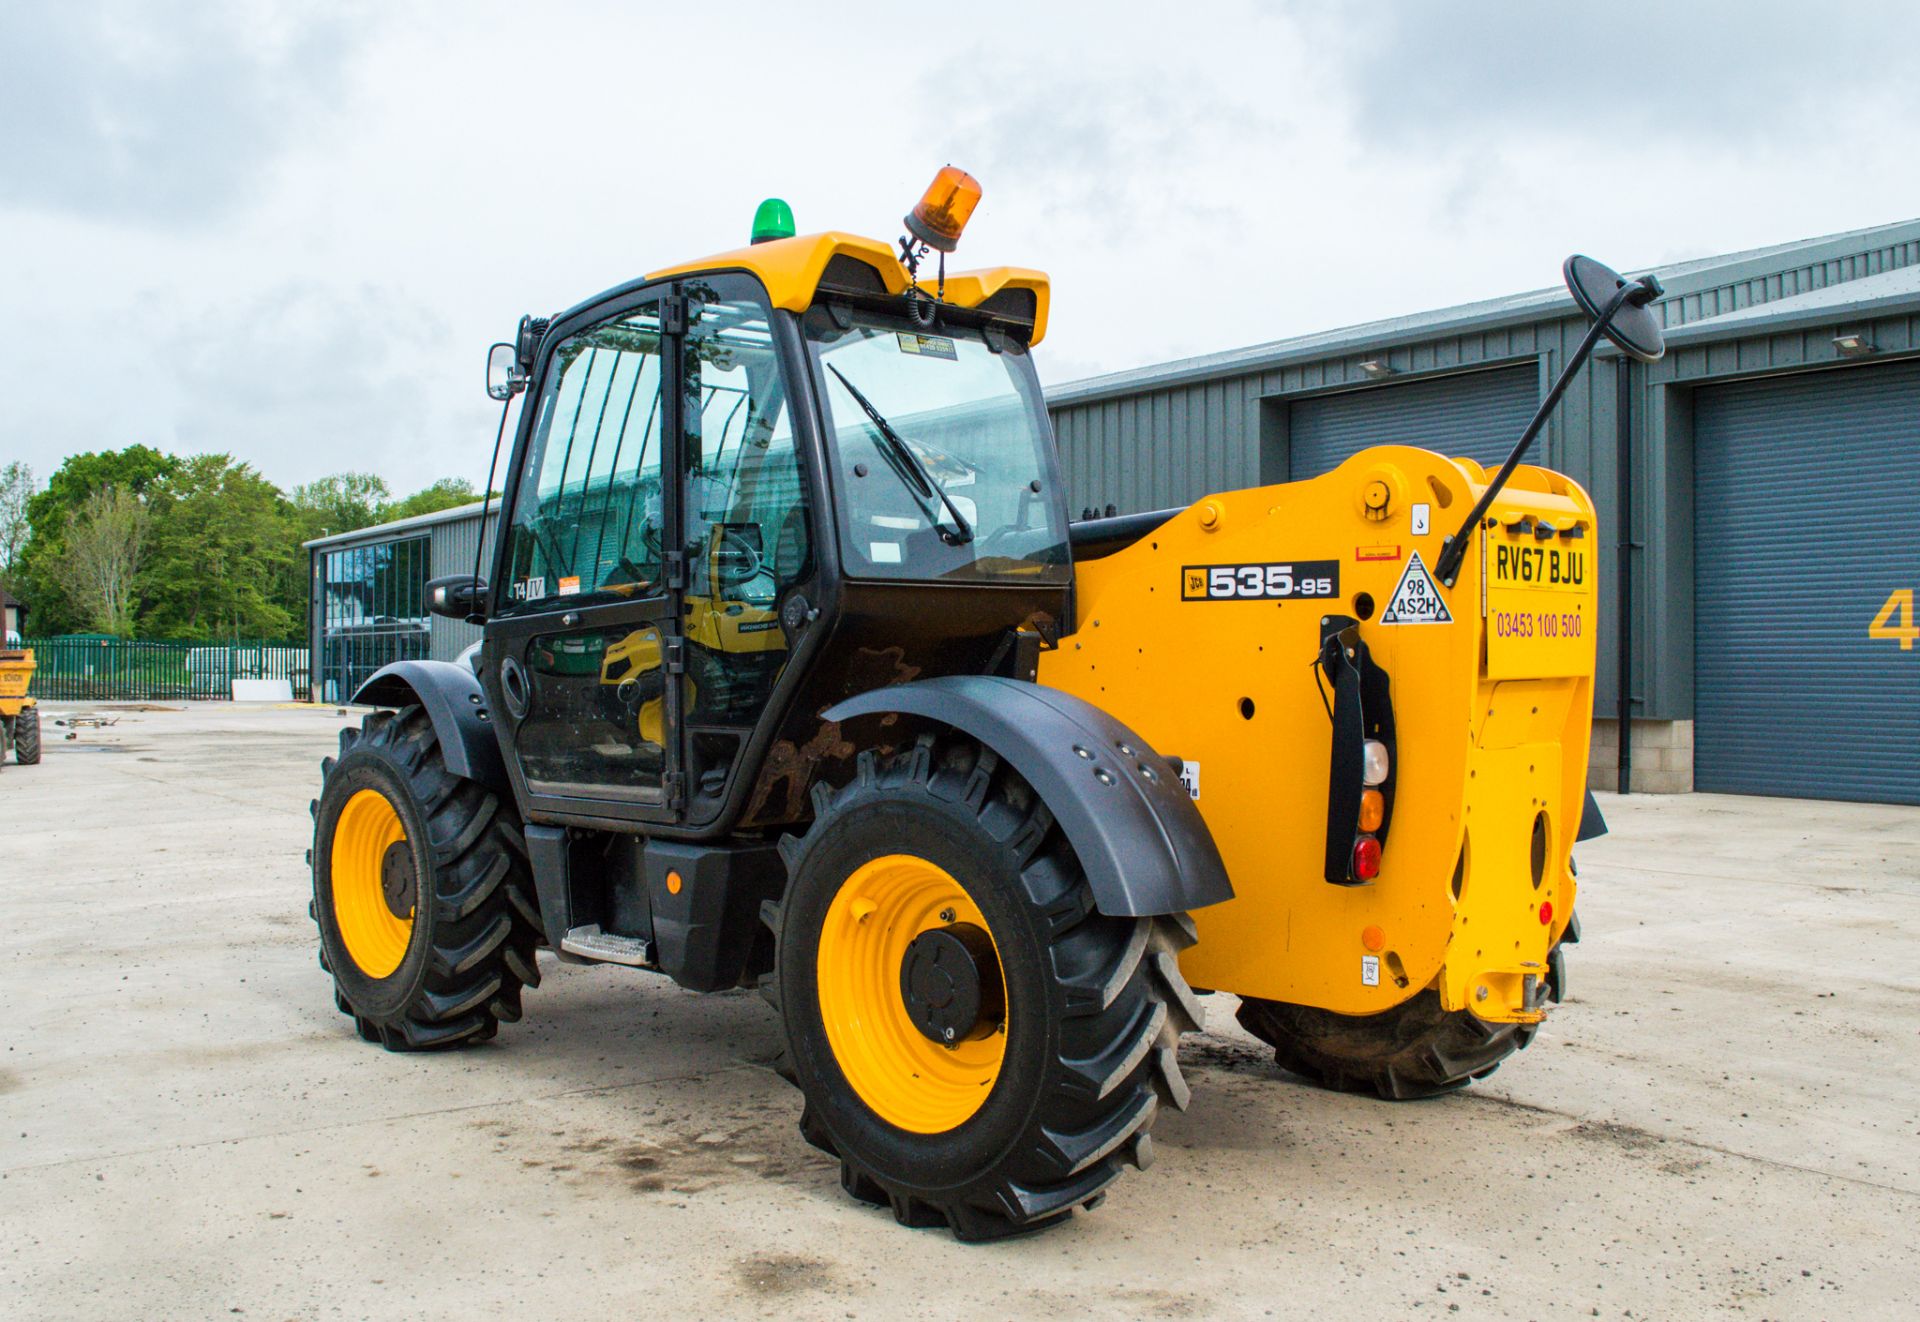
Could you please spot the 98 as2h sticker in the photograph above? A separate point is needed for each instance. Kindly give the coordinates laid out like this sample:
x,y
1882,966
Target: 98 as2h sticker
x,y
1267,581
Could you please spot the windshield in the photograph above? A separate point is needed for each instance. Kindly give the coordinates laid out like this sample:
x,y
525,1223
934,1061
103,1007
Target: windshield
x,y
939,451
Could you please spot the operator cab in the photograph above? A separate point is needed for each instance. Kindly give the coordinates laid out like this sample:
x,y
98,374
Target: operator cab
x,y
722,466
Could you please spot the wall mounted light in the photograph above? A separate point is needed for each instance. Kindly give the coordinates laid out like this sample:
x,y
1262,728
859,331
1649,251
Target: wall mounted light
x,y
1375,370
1852,345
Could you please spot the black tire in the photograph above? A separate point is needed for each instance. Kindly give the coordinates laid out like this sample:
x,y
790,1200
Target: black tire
x,y
475,924
26,736
1417,1049
1095,1004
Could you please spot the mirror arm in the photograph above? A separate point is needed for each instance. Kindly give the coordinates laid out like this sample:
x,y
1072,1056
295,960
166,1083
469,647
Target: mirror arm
x,y
1454,549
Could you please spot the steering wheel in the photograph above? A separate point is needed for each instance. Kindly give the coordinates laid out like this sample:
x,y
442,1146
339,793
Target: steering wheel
x,y
736,560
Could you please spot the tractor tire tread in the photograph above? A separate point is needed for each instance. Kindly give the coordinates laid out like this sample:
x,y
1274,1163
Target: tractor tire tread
x,y
1124,1006
484,931
1415,1050
26,736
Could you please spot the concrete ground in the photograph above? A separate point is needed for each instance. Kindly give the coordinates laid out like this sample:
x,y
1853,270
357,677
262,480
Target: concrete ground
x,y
1721,1121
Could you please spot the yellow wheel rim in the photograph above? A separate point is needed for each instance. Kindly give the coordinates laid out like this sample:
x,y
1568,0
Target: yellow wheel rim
x,y
908,1080
375,936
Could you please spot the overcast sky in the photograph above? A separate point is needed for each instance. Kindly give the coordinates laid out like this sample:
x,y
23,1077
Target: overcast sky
x,y
293,237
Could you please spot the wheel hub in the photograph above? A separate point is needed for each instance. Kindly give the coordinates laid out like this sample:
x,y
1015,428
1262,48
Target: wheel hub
x,y
950,982
398,884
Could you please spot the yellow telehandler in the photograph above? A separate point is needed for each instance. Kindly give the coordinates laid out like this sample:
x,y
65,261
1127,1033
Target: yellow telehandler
x,y
795,674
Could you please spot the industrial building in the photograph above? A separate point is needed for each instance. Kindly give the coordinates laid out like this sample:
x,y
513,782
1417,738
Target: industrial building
x,y
1758,489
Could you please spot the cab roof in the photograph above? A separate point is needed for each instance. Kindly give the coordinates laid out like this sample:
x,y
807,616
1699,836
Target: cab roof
x,y
794,269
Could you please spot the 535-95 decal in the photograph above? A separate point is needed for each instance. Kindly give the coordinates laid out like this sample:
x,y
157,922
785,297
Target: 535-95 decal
x,y
1261,582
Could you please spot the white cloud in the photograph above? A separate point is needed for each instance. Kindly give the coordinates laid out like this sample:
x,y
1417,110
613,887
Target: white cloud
x,y
295,242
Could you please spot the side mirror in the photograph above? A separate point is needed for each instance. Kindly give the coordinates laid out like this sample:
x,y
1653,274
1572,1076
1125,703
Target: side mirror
x,y
1633,328
504,377
458,597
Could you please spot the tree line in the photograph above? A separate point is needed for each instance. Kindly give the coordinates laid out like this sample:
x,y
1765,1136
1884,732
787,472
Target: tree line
x,y
140,543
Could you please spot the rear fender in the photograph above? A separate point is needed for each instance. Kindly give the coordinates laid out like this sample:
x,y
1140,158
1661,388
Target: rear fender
x,y
1139,836
451,695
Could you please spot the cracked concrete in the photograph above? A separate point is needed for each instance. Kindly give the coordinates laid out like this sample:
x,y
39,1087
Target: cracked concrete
x,y
1722,1121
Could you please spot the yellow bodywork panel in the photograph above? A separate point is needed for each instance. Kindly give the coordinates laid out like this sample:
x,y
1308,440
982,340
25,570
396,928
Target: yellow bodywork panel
x,y
791,270
16,673
1203,637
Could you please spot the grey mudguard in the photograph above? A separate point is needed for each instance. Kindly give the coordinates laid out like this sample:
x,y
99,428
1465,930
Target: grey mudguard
x,y
1143,843
456,706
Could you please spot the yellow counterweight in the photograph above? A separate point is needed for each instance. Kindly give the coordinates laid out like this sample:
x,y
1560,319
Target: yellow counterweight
x,y
1203,636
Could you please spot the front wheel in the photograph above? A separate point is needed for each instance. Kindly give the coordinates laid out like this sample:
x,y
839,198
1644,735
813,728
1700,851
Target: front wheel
x,y
978,1045
26,736
420,889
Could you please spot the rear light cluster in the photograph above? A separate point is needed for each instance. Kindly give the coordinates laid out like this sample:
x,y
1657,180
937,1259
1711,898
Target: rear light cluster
x,y
1373,808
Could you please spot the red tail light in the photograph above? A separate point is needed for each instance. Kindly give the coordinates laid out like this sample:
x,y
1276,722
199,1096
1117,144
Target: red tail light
x,y
1366,858
1546,912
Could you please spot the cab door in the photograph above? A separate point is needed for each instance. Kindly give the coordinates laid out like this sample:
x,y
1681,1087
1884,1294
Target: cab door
x,y
584,643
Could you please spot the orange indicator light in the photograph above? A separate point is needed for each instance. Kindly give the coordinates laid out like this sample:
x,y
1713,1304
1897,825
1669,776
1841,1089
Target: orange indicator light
x,y
944,209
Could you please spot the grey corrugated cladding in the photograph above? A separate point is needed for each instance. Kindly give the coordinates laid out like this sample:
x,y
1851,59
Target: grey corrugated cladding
x,y
1164,435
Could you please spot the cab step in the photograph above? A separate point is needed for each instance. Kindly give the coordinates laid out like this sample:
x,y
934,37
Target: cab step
x,y
590,942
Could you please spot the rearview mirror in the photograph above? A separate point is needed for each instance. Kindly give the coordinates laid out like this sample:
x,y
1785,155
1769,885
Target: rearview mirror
x,y
1633,328
504,377
458,597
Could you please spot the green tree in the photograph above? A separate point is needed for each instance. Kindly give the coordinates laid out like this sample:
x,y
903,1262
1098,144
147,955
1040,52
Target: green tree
x,y
105,542
37,569
341,503
224,552
16,489
442,495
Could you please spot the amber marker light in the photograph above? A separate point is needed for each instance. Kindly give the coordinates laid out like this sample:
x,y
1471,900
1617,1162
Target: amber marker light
x,y
944,209
1373,810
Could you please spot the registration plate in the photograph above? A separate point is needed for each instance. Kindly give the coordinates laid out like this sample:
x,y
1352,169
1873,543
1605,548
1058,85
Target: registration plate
x,y
1539,609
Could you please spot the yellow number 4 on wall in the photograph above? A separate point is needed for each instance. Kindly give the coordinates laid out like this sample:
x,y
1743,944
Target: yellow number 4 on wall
x,y
1900,604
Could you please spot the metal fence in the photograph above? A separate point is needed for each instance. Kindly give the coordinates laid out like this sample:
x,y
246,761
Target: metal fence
x,y
92,669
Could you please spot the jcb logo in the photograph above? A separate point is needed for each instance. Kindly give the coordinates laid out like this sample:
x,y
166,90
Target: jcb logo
x,y
1196,583
1898,606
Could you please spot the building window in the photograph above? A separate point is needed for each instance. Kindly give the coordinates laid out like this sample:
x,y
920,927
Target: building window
x,y
373,610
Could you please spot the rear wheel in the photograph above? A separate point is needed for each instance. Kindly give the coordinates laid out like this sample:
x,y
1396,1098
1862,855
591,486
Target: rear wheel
x,y
421,891
1417,1049
978,1045
26,736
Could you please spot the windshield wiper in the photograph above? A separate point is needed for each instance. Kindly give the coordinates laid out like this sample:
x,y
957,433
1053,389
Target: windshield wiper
x,y
903,454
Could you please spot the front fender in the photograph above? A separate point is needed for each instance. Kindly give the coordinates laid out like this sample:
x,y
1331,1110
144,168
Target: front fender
x,y
458,709
1143,843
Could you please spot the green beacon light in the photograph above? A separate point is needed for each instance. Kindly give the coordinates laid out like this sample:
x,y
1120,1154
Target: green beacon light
x,y
773,220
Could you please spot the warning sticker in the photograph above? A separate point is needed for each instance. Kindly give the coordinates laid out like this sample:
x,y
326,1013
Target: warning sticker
x,y
928,346
1415,600
1369,970
1190,777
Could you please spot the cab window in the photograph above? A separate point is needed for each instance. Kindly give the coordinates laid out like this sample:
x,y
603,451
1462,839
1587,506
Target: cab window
x,y
587,521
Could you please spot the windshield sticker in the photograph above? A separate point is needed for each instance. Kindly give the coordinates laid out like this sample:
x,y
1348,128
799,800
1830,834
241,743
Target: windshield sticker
x,y
884,553
1261,582
570,586
529,589
927,346
1416,600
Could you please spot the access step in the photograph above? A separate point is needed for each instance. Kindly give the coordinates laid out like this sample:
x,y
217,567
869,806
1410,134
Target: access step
x,y
590,942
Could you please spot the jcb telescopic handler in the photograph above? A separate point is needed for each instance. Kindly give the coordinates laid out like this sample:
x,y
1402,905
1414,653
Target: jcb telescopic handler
x,y
794,674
